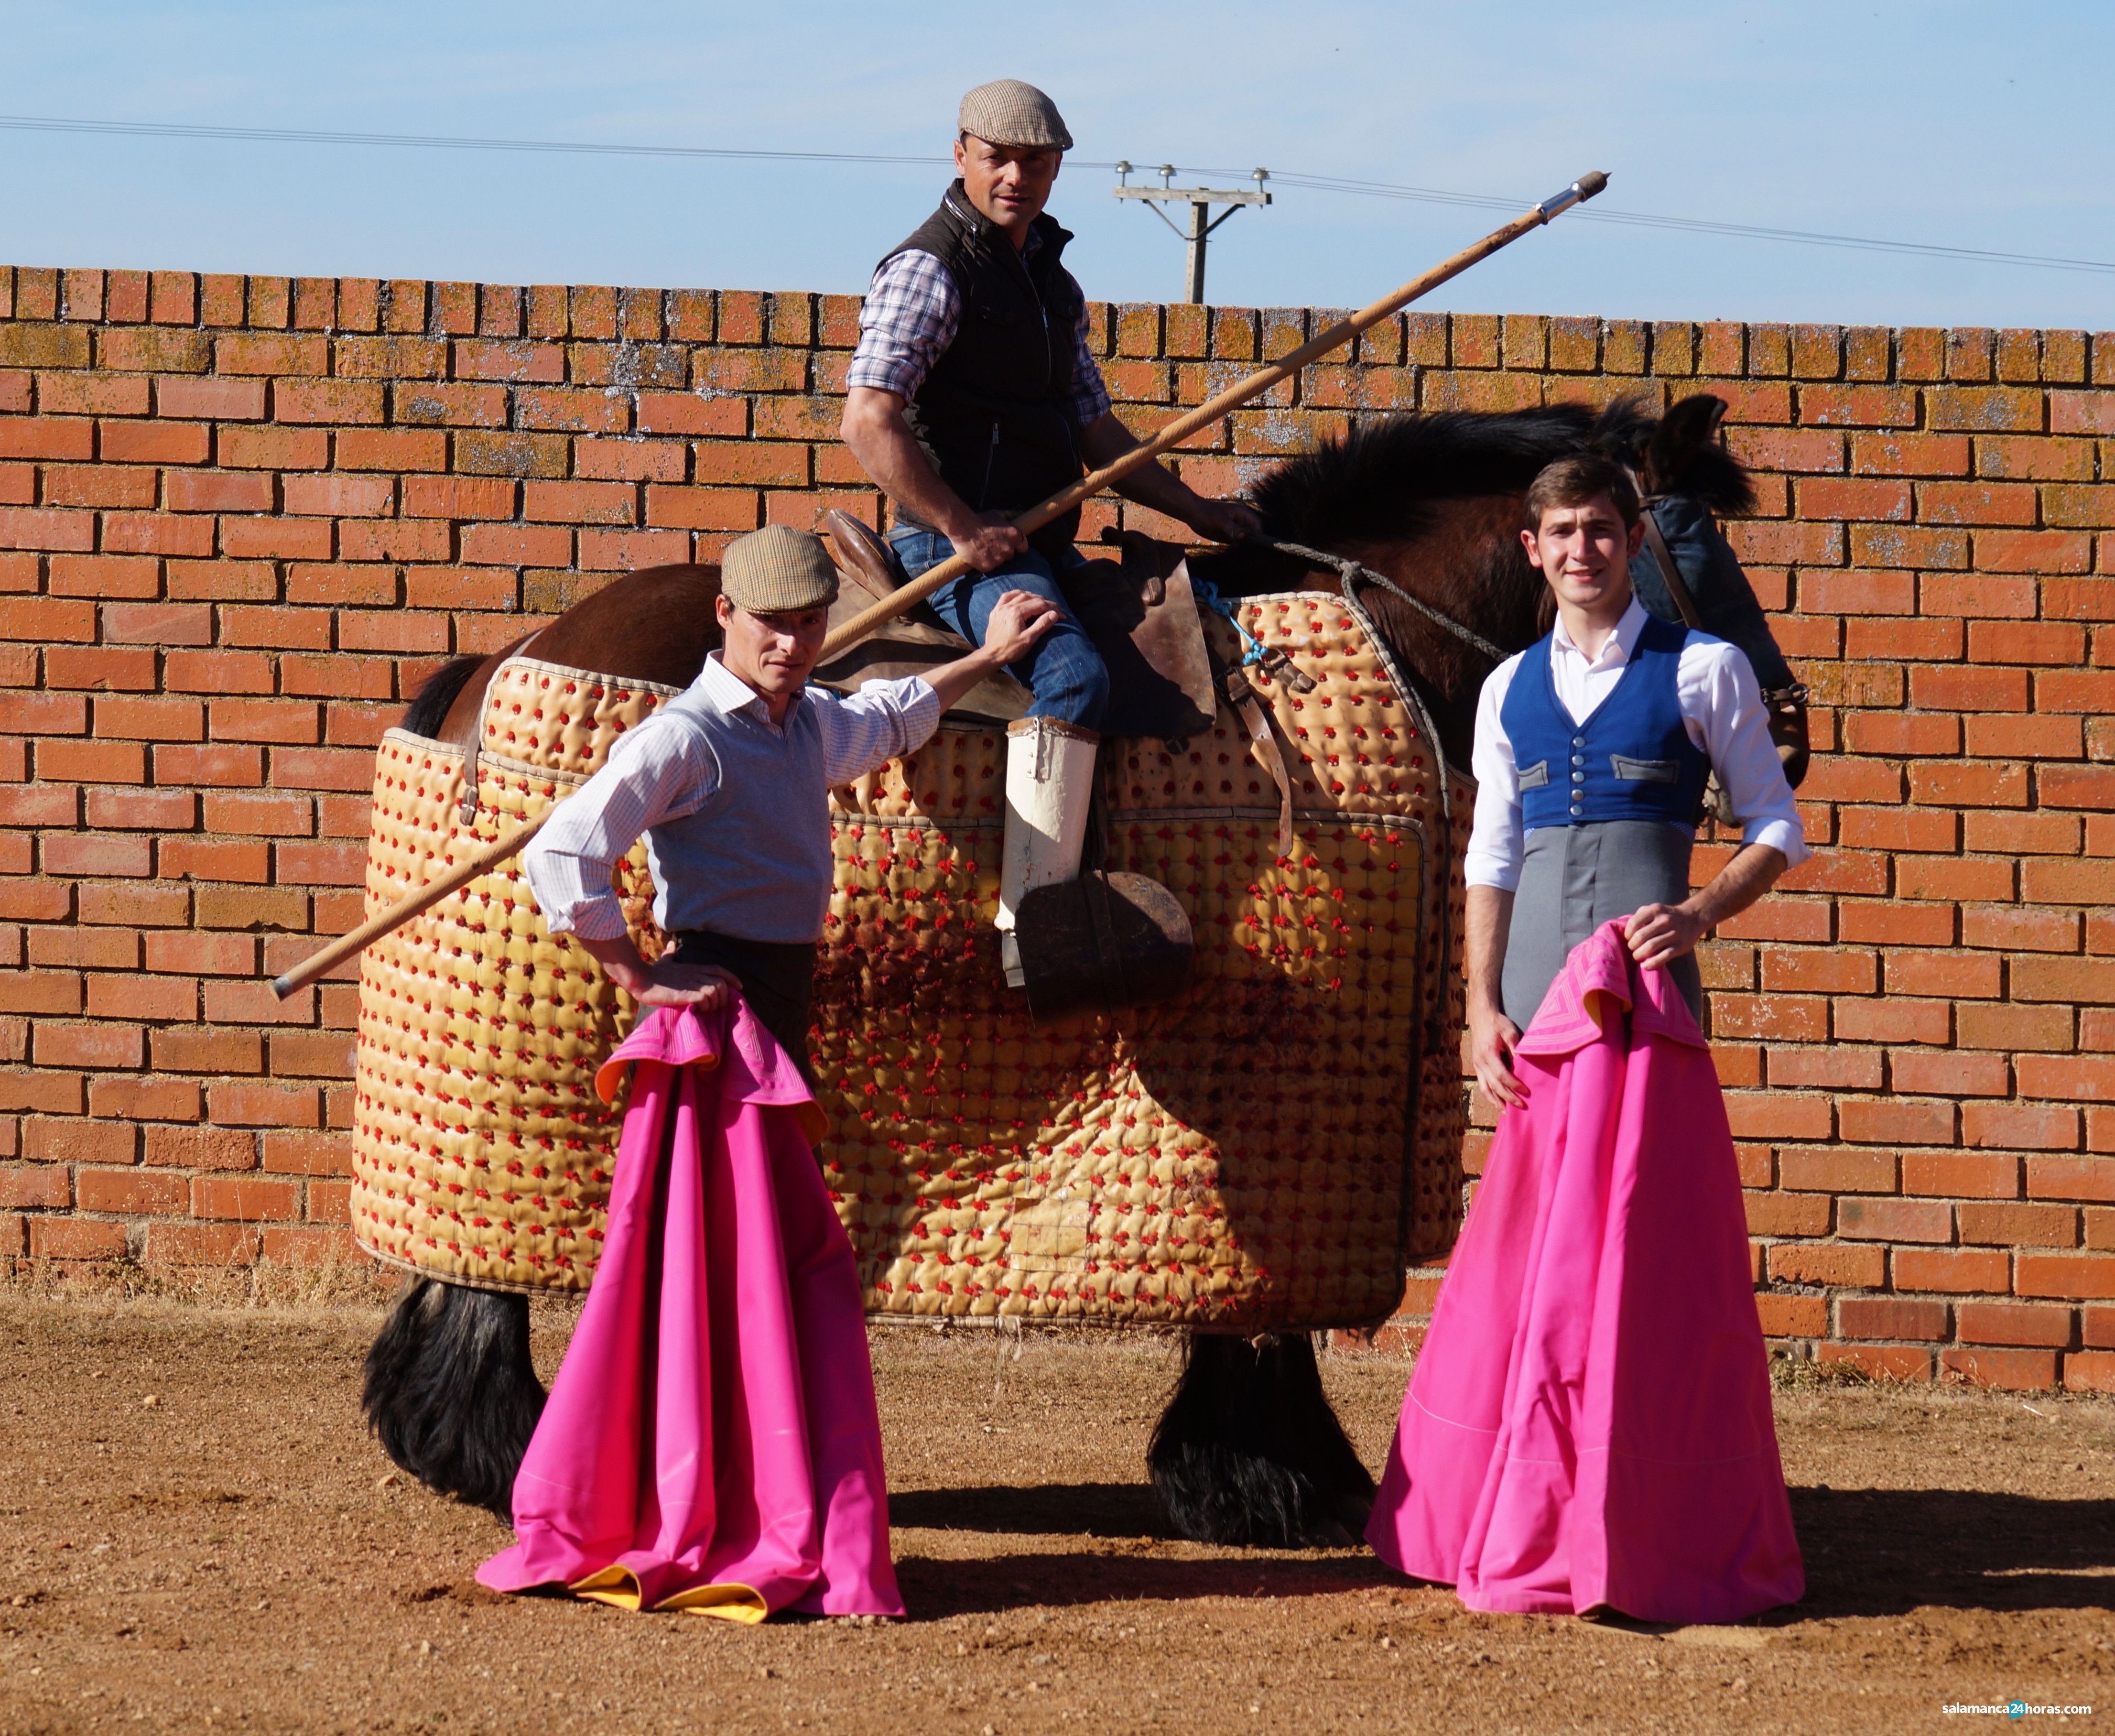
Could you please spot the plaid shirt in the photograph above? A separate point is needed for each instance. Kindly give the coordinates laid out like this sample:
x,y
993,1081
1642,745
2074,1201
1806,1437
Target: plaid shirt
x,y
911,314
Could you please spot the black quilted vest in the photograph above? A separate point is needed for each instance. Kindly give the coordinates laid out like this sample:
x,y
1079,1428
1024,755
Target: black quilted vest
x,y
995,413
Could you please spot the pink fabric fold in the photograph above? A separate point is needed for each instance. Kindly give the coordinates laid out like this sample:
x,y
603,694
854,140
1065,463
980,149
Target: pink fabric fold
x,y
1588,1423
712,1441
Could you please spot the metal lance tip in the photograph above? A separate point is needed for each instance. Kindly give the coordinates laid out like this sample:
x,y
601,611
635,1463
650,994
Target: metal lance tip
x,y
1584,188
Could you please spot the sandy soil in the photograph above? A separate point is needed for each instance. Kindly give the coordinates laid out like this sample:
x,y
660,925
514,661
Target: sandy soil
x,y
195,1532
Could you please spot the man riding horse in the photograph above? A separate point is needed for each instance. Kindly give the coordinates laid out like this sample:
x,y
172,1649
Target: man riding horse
x,y
973,394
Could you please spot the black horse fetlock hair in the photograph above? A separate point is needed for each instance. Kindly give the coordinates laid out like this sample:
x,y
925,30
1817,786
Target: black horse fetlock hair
x,y
1249,1451
451,1391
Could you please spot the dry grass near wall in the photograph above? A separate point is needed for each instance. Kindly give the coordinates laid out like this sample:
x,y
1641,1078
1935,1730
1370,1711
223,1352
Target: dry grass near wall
x,y
343,1286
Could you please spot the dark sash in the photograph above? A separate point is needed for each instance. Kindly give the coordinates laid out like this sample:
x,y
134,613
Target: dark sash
x,y
777,980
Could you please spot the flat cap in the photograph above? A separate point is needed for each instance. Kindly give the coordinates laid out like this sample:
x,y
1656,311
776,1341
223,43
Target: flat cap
x,y
776,570
1006,111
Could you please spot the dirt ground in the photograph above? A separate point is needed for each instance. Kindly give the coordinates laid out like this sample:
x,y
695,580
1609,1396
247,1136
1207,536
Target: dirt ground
x,y
195,1532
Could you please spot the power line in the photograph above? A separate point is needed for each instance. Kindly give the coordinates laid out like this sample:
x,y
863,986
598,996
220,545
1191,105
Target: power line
x,y
1313,183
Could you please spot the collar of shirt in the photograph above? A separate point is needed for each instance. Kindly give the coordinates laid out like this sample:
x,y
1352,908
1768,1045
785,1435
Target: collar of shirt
x,y
731,694
1615,651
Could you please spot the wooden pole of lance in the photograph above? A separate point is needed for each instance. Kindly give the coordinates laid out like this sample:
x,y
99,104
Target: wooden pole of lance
x,y
909,596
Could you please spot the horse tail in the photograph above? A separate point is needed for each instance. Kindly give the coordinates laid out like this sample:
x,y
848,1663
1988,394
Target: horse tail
x,y
452,1393
430,706
1250,1452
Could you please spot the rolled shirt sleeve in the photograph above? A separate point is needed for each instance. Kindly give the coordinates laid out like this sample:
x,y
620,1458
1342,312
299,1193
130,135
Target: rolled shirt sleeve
x,y
1737,735
884,720
1495,835
662,770
911,313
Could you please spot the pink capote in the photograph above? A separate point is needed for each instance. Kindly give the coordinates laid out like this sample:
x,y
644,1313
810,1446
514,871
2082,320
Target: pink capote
x,y
711,1442
1588,1423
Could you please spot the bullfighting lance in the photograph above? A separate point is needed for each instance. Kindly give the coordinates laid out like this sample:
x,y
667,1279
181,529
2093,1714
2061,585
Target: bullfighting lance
x,y
908,596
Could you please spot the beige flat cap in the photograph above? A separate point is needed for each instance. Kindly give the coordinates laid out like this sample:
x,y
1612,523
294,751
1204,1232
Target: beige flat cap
x,y
776,570
1006,111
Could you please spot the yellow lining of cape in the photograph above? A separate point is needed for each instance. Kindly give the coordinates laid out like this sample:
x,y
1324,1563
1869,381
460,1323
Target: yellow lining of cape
x,y
619,1587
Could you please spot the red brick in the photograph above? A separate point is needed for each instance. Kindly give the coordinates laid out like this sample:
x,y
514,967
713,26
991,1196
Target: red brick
x,y
1976,503
1858,407
1989,1175
2088,1371
1833,1066
129,996
65,1140
1835,497
75,1238
1828,1263
1975,975
2012,1323
1910,455
1985,409
1834,1171
200,1244
1792,1316
2077,1275
55,1044
1894,1220
199,1148
206,1049
133,1099
133,1192
1890,1020
308,1154
2014,1370
248,1197
32,527
1887,1317
459,497
1895,1121
2033,551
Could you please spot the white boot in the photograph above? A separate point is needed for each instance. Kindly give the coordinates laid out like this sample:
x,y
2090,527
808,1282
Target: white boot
x,y
1050,780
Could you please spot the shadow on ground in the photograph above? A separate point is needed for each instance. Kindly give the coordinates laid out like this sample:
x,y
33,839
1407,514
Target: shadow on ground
x,y
1885,1552
1869,1551
1043,1510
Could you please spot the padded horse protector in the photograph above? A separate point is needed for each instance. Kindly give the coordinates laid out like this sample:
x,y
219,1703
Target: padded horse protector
x,y
1266,1152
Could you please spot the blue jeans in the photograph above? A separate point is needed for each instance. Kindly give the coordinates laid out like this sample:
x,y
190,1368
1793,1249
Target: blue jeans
x,y
1062,668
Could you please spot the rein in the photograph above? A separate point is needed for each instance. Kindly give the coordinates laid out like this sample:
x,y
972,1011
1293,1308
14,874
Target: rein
x,y
1349,571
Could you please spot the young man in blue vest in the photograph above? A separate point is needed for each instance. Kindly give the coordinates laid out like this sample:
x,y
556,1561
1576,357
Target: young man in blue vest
x,y
974,394
1591,752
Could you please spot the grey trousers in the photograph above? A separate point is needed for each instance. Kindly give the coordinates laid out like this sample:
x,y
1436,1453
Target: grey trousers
x,y
1573,879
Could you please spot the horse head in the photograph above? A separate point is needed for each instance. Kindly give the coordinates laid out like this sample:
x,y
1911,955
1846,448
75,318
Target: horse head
x,y
1433,502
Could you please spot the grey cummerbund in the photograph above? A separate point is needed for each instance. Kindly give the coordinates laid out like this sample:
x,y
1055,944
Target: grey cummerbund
x,y
1573,879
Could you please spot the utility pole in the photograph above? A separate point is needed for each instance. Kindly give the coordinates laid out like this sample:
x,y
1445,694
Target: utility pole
x,y
1198,200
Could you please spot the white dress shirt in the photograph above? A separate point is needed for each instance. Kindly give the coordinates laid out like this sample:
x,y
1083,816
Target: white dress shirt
x,y
735,808
1722,708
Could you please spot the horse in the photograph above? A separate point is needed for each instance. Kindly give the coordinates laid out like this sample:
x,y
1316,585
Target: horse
x,y
1248,1450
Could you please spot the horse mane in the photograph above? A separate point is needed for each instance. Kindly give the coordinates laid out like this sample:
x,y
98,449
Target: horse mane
x,y
1378,481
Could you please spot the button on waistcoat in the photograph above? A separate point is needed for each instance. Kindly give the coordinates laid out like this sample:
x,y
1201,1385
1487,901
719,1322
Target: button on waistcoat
x,y
995,412
1631,759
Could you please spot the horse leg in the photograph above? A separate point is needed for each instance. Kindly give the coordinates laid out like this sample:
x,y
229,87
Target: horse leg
x,y
1249,1452
452,1393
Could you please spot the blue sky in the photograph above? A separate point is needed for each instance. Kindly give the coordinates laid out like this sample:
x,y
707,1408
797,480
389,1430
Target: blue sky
x,y
1967,124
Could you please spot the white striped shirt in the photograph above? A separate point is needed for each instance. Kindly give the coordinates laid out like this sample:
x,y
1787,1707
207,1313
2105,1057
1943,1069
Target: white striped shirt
x,y
734,809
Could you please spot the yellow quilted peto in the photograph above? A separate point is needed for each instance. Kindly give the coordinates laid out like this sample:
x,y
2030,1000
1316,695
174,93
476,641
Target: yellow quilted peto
x,y
1269,1152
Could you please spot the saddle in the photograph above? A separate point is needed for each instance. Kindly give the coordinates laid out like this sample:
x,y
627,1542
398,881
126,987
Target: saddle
x,y
1140,610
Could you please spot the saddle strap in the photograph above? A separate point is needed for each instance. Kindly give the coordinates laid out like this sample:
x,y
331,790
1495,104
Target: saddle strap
x,y
1264,744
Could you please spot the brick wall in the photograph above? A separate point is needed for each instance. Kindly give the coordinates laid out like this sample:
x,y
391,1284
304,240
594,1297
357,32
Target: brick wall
x,y
241,518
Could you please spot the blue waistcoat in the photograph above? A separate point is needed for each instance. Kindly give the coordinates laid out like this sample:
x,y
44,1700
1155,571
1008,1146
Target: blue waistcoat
x,y
1630,759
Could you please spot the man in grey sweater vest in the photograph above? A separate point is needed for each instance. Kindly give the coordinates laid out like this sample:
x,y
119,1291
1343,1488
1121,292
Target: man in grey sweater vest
x,y
730,784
